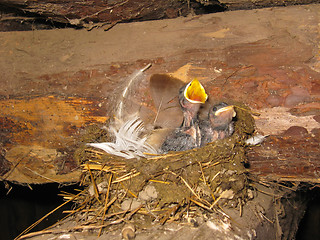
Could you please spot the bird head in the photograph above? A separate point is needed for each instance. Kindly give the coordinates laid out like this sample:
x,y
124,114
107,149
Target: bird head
x,y
194,92
191,96
221,115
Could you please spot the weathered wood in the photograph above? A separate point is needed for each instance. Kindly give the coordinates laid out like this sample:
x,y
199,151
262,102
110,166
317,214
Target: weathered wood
x,y
97,13
39,135
248,4
81,13
287,158
59,82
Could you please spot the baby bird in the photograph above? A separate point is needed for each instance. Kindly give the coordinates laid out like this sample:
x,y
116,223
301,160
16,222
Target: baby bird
x,y
188,135
219,123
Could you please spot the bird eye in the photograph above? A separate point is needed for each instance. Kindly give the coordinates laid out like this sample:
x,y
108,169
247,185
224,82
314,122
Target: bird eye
x,y
214,109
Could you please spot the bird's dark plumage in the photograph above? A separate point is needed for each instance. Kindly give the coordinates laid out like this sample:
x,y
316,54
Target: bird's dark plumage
x,y
219,123
181,139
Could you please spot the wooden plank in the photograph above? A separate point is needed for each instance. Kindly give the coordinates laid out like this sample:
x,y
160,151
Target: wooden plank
x,y
39,135
47,121
98,13
287,158
85,13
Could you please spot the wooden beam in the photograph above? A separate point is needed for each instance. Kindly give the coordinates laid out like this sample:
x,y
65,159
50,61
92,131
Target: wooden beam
x,y
99,13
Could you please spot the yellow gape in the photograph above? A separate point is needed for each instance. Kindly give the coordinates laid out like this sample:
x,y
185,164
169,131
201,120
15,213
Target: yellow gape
x,y
195,92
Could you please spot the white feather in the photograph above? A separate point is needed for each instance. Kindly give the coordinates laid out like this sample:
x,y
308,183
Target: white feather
x,y
255,140
128,143
132,78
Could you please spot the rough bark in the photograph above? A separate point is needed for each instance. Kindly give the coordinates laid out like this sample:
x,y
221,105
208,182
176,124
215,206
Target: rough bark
x,y
91,14
86,13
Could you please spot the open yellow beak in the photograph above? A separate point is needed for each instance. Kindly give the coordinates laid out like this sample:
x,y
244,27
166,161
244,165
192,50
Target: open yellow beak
x,y
226,109
195,92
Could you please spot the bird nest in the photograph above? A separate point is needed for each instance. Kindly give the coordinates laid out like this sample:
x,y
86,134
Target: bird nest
x,y
162,188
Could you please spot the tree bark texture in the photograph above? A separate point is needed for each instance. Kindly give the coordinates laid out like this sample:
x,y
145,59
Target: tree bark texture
x,y
89,13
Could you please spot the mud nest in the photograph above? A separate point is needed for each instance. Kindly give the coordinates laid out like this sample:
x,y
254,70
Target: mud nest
x,y
164,188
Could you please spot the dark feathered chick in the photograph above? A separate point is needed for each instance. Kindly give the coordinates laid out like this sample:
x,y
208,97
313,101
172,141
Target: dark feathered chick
x,y
219,123
188,135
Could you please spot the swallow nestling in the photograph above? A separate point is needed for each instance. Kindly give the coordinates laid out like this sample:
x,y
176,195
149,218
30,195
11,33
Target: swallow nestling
x,y
219,123
188,135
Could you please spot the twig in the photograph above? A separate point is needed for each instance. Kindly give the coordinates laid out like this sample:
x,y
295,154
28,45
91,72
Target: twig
x,y
79,21
234,73
167,214
126,177
77,210
98,167
165,156
14,167
158,181
53,231
45,216
217,200
177,216
205,182
270,194
188,186
38,174
33,234
106,203
263,216
215,176
201,205
209,164
96,191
